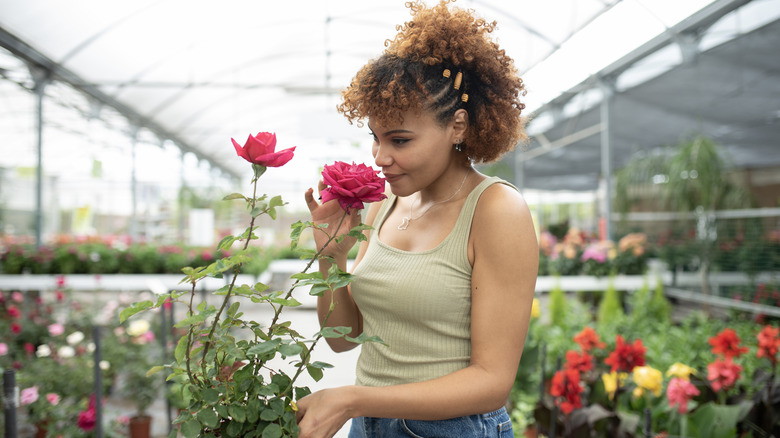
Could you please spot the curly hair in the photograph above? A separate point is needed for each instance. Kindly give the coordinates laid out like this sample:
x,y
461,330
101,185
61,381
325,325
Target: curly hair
x,y
440,61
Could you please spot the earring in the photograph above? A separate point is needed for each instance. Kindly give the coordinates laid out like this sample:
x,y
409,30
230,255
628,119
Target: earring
x,y
459,144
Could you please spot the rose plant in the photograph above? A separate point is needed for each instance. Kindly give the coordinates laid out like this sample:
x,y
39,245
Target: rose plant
x,y
223,362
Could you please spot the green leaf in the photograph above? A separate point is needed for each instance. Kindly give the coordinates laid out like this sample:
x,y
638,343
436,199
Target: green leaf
x,y
363,338
314,372
233,309
210,396
268,415
181,350
233,196
273,430
208,418
276,201
191,320
133,309
226,242
318,364
335,332
191,429
292,302
154,369
264,347
290,349
237,413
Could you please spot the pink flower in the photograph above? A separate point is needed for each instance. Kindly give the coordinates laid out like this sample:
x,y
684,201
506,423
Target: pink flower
x,y
17,296
16,328
14,312
60,281
87,418
723,374
680,392
28,395
3,349
260,150
148,336
56,329
53,399
352,184
594,252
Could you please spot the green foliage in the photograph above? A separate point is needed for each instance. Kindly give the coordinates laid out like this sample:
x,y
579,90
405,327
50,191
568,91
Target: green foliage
x,y
610,307
557,305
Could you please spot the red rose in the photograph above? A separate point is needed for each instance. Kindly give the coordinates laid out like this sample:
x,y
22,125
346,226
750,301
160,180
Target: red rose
x,y
352,184
260,150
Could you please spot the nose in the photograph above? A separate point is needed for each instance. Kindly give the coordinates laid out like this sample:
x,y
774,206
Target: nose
x,y
382,156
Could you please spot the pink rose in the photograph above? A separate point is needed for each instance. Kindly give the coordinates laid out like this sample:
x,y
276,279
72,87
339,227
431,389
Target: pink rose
x,y
14,312
352,184
28,395
3,349
260,150
17,296
53,399
56,329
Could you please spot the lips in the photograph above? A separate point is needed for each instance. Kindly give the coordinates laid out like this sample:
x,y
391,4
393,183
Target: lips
x,y
391,178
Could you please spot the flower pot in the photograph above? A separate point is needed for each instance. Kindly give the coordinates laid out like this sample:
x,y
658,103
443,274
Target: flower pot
x,y
140,426
41,429
530,432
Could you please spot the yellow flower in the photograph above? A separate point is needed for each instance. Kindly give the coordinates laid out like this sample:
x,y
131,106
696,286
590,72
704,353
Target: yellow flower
x,y
611,382
680,370
638,392
650,379
535,310
138,327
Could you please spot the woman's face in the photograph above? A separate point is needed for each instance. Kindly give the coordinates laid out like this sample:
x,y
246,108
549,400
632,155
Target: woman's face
x,y
413,153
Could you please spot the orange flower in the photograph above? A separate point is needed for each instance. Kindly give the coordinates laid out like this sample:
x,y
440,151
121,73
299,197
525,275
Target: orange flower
x,y
588,339
768,343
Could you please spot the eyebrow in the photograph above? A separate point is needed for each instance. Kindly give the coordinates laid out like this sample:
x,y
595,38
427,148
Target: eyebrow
x,y
397,131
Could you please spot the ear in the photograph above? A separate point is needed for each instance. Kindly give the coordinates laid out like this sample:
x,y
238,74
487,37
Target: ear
x,y
460,123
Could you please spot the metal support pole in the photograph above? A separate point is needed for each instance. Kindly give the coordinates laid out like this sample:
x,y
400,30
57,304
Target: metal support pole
x,y
9,403
607,87
41,80
133,185
98,383
164,345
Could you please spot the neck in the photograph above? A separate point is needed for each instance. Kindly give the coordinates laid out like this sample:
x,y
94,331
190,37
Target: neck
x,y
447,185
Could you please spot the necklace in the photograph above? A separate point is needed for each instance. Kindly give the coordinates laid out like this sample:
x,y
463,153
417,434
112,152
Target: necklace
x,y
407,219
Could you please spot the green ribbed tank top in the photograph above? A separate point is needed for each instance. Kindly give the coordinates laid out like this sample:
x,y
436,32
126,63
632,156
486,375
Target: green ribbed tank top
x,y
419,303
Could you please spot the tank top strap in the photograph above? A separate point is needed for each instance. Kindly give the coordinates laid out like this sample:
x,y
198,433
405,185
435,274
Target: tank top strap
x,y
462,228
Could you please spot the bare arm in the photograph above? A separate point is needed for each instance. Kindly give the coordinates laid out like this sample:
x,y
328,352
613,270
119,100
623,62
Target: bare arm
x,y
504,253
345,312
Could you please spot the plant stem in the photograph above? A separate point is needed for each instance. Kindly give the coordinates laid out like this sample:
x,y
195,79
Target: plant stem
x,y
190,332
236,271
311,262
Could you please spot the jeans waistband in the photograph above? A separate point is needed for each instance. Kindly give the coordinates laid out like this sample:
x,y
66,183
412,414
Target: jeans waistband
x,y
495,413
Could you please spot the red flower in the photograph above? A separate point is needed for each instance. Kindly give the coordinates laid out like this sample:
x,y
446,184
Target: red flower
x,y
14,312
588,339
16,328
260,150
566,384
727,344
580,362
768,343
352,184
626,356
723,374
87,418
680,392
29,348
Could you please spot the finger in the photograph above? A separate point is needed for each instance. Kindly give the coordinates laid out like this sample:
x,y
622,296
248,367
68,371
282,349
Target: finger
x,y
322,186
310,202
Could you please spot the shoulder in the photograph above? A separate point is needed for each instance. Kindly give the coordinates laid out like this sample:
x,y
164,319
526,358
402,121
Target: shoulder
x,y
501,214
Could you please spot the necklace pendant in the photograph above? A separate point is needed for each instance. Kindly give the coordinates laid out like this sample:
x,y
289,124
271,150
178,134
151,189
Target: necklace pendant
x,y
404,224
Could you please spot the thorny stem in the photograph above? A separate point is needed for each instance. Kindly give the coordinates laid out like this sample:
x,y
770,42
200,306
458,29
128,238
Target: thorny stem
x,y
236,270
311,262
307,356
190,332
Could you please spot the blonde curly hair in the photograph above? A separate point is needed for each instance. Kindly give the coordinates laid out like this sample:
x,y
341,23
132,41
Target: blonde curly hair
x,y
410,75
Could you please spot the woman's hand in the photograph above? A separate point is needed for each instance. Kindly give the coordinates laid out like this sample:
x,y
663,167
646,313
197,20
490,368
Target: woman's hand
x,y
331,214
323,413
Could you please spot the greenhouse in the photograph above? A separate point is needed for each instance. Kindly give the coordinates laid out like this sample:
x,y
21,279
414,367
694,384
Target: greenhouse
x,y
161,230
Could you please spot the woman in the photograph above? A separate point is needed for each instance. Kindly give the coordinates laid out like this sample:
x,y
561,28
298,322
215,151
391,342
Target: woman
x,y
446,278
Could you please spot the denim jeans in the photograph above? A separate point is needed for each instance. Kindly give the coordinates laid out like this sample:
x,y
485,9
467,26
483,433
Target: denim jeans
x,y
491,425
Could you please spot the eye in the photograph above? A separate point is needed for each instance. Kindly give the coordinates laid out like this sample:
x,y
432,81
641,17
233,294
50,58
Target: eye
x,y
371,133
400,141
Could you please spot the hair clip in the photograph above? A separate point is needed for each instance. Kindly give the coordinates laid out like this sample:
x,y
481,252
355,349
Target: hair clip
x,y
458,79
464,97
446,73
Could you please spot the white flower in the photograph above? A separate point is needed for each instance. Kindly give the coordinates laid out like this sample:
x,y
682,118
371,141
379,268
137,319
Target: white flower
x,y
138,327
91,347
66,351
43,351
104,365
75,337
